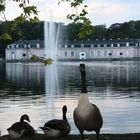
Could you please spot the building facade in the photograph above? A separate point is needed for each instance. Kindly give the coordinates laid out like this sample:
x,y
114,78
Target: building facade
x,y
75,50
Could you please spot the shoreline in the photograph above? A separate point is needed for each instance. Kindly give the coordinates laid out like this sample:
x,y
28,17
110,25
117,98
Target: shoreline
x,y
70,60
125,136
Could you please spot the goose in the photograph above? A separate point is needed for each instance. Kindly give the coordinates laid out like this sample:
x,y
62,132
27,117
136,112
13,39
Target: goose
x,y
86,116
21,128
56,127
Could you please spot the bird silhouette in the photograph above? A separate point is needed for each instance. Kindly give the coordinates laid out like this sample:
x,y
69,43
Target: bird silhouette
x,y
57,127
87,116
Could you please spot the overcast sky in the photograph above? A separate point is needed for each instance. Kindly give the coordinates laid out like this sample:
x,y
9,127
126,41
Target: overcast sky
x,y
100,11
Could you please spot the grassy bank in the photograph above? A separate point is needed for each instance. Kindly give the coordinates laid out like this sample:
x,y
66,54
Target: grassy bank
x,y
130,136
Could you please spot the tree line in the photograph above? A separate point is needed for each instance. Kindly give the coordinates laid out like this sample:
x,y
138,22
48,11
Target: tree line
x,y
33,31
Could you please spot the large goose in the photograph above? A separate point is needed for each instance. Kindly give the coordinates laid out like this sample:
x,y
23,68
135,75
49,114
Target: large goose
x,y
87,116
56,127
21,128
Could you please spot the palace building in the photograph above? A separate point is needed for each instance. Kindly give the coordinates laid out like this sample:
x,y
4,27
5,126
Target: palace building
x,y
76,50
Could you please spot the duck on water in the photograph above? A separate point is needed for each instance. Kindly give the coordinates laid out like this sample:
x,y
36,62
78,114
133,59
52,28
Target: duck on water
x,y
57,127
87,116
21,128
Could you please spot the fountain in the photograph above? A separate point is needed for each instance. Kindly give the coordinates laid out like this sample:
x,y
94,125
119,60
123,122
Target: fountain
x,y
51,38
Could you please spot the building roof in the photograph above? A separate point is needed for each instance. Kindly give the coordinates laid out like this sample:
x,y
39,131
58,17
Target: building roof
x,y
33,43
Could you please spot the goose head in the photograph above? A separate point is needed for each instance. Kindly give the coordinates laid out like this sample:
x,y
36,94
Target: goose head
x,y
82,68
64,109
24,117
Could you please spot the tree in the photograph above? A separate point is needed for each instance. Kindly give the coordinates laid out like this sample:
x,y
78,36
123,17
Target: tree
x,y
30,13
78,16
98,32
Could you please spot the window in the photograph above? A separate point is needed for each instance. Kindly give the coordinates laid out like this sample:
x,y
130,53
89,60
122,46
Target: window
x,y
102,45
66,53
98,53
110,54
33,46
68,46
122,44
24,54
86,46
115,45
132,44
108,45
95,45
72,53
92,53
76,46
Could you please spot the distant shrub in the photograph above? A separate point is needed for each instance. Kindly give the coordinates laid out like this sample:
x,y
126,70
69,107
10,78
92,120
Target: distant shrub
x,y
34,58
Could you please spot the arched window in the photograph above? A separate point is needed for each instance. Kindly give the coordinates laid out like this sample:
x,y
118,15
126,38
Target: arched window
x,y
24,55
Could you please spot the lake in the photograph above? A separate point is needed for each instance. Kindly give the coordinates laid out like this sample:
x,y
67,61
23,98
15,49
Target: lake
x,y
41,91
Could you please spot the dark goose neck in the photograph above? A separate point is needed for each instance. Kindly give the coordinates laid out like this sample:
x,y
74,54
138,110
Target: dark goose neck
x,y
83,78
64,110
22,119
64,117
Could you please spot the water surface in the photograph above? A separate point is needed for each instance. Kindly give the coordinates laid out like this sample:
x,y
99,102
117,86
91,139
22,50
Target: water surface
x,y
113,86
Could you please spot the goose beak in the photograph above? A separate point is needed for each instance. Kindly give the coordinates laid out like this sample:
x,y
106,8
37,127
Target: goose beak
x,y
28,119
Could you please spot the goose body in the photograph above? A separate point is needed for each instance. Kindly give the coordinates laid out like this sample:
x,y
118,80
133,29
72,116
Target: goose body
x,y
56,127
87,116
21,128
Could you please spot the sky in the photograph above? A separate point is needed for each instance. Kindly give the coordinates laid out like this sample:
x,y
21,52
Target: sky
x,y
99,11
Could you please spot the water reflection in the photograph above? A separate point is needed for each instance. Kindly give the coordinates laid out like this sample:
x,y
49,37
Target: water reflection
x,y
51,86
34,89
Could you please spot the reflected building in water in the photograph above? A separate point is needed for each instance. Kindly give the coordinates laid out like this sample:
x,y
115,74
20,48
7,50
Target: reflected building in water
x,y
117,74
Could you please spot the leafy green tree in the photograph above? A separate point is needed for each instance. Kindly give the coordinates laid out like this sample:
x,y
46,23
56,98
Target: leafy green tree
x,y
30,13
98,32
26,28
79,17
73,31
